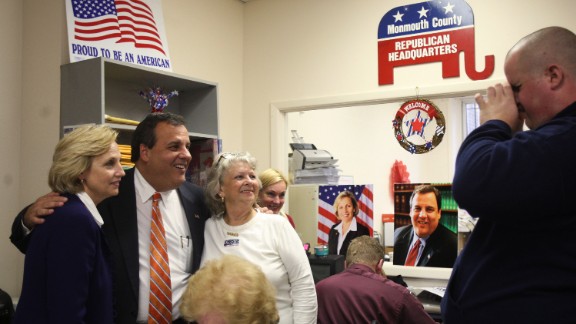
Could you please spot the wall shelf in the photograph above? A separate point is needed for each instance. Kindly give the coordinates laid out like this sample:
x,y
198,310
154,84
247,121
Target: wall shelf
x,y
97,87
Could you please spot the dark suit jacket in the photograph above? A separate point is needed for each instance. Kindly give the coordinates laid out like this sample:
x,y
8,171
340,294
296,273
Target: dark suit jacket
x,y
121,231
440,250
67,274
333,238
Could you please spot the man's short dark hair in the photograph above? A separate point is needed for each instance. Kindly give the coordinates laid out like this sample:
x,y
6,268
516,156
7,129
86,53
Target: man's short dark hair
x,y
424,189
144,133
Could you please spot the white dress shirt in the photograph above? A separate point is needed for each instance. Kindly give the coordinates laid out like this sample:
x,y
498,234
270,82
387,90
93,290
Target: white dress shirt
x,y
89,203
342,236
177,238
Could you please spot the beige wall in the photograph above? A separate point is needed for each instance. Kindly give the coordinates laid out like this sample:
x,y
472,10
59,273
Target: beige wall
x,y
206,42
10,119
259,53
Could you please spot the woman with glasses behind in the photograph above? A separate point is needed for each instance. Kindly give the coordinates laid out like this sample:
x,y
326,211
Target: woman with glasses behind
x,y
269,241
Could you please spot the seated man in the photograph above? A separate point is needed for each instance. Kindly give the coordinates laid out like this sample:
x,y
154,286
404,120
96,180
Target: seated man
x,y
229,290
363,294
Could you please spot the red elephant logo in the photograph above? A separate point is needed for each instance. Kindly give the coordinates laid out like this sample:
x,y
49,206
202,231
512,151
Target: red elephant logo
x,y
429,32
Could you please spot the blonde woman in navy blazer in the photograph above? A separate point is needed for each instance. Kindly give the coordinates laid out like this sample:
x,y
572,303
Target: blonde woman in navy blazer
x,y
67,271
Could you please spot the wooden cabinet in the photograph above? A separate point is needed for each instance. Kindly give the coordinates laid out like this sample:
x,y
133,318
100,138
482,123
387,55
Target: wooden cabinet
x,y
94,88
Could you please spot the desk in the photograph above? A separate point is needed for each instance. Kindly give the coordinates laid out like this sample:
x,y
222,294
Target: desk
x,y
430,301
418,277
325,266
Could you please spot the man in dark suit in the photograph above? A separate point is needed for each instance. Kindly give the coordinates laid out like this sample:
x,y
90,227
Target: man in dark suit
x,y
434,245
160,152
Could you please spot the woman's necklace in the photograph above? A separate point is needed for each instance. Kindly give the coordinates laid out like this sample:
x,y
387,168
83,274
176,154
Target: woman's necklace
x,y
233,222
228,233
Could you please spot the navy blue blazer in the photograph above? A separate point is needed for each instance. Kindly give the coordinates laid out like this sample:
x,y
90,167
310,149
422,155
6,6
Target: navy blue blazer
x,y
67,274
333,238
440,250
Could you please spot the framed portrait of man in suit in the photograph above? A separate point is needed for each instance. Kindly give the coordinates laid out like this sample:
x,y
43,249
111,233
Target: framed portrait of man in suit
x,y
425,225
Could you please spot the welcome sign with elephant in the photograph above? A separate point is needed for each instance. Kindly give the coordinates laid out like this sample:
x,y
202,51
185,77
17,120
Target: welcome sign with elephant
x,y
430,31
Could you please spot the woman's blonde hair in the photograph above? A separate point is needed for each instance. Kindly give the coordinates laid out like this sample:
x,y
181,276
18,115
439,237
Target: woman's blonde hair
x,y
269,177
74,154
345,194
233,288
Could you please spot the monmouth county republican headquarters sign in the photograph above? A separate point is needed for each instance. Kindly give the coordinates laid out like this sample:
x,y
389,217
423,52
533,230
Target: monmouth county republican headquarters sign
x,y
429,31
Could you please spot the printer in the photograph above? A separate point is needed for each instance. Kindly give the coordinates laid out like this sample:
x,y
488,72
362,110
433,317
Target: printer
x,y
311,165
306,156
311,159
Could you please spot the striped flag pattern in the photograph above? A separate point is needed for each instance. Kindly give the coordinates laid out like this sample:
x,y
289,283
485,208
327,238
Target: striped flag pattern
x,y
326,217
128,21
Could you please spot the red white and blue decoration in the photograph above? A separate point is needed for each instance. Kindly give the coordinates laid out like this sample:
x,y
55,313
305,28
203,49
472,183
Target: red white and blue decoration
x,y
429,31
157,98
419,126
326,217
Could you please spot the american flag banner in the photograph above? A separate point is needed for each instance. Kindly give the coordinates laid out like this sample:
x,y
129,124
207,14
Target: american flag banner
x,y
95,20
123,30
326,217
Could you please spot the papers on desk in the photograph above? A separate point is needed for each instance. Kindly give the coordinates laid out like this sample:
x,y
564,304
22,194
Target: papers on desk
x,y
430,297
438,291
317,175
428,294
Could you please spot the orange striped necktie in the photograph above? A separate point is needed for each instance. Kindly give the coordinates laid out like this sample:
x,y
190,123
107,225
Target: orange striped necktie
x,y
413,255
160,306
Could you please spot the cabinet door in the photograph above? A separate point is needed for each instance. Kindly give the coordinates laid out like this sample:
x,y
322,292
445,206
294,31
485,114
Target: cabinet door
x,y
303,207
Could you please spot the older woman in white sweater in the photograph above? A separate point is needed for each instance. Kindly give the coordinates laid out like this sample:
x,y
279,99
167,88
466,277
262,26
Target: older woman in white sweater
x,y
268,241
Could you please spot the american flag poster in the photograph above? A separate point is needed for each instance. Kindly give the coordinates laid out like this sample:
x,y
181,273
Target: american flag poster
x,y
429,31
326,217
129,31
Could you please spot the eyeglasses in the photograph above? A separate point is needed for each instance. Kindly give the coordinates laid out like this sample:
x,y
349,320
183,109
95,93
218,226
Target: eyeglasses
x,y
225,156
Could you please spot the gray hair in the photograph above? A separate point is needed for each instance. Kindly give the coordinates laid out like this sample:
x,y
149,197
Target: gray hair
x,y
224,161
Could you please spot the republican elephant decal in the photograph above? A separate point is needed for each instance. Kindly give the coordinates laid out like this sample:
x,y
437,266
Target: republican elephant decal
x,y
426,32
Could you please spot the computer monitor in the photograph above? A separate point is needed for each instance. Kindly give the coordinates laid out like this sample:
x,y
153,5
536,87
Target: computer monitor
x,y
325,266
